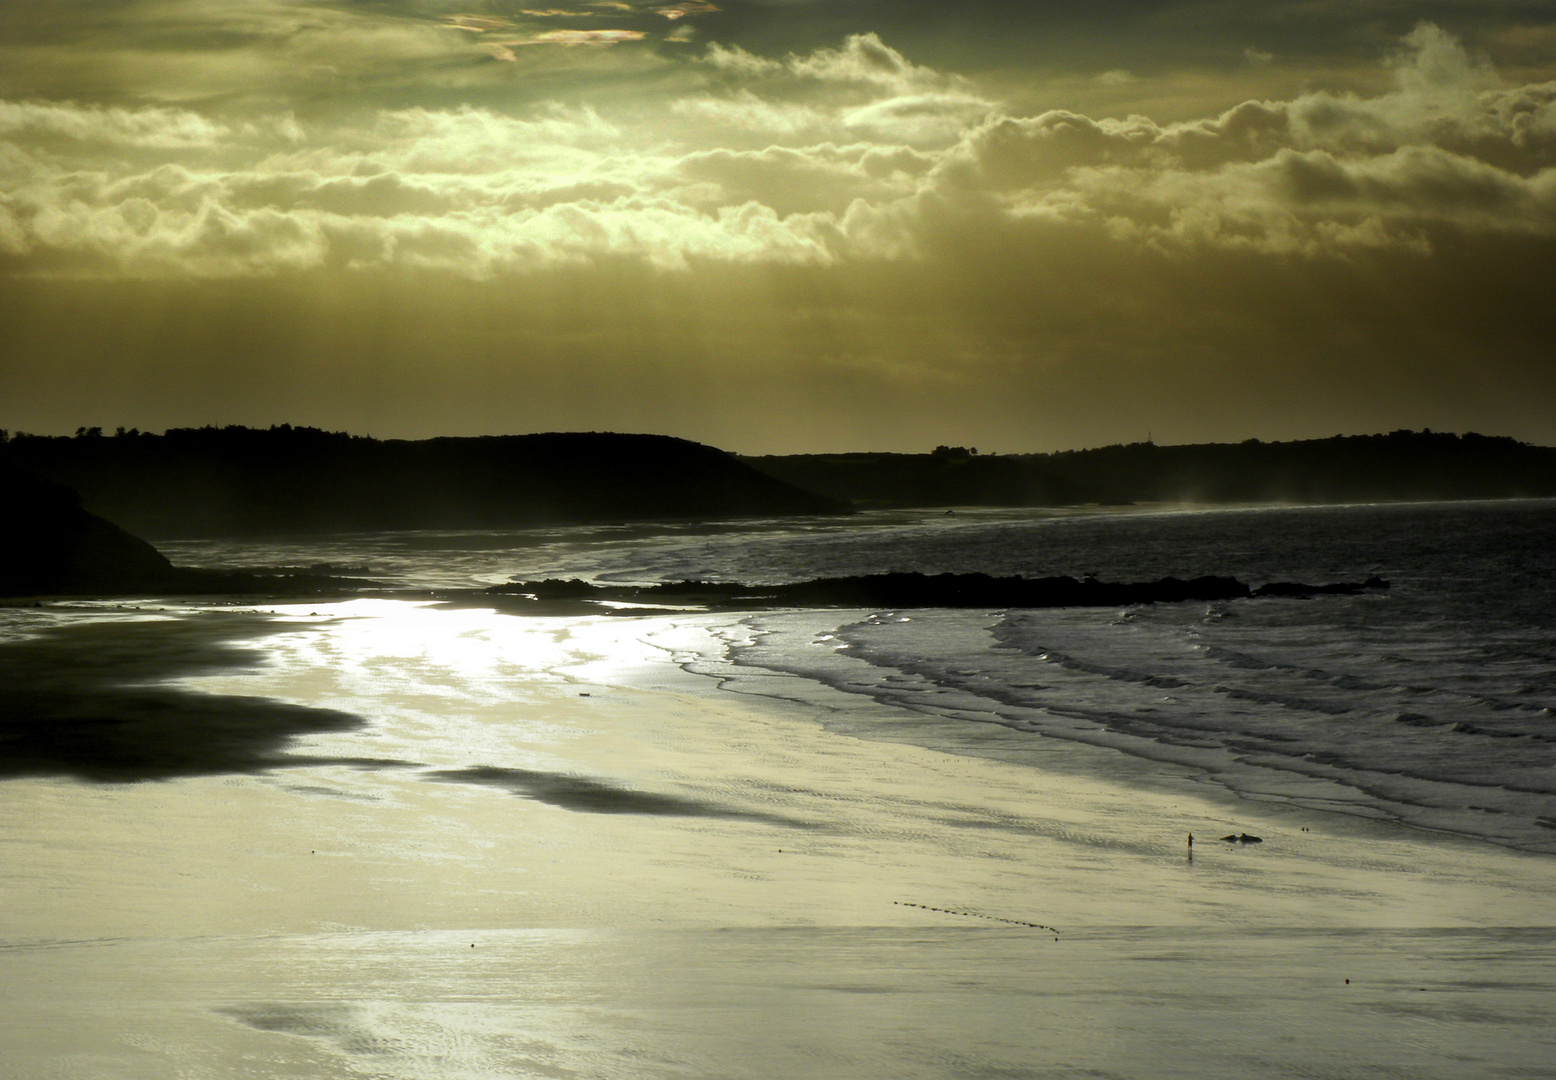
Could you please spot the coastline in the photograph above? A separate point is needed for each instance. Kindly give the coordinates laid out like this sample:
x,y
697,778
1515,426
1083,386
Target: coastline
x,y
549,850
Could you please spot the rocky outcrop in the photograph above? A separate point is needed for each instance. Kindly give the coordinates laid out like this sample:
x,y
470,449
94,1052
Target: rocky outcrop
x,y
1301,591
50,545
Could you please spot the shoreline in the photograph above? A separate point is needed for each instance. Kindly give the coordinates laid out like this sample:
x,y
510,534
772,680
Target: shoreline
x,y
881,703
572,856
233,647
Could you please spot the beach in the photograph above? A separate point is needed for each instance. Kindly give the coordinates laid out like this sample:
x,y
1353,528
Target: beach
x,y
777,540
546,849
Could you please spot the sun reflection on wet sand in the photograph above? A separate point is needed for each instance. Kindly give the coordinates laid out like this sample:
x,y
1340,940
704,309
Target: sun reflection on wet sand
x,y
541,848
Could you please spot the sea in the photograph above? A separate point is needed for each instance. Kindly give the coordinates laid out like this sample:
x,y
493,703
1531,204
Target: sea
x,y
1431,704
415,830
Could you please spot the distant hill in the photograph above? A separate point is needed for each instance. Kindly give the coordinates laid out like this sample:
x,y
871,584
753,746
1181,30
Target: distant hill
x,y
1400,466
237,481
951,476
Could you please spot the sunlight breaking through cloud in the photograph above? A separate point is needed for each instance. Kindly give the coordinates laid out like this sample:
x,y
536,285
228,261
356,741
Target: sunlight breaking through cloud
x,y
849,221
474,191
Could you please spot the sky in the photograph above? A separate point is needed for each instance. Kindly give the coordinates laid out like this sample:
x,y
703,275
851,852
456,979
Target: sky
x,y
781,226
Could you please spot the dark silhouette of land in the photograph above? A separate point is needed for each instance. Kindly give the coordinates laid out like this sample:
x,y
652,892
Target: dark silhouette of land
x,y
950,476
237,481
241,482
1397,467
51,546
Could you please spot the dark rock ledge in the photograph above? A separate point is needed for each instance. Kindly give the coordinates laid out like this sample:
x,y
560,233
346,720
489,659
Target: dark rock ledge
x,y
912,590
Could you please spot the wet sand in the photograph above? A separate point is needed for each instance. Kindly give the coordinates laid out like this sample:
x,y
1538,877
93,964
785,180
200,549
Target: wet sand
x,y
490,846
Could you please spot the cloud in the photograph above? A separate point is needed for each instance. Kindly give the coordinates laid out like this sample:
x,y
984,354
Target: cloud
x,y
1445,154
870,237
479,24
863,87
824,179
919,118
154,128
744,112
899,156
1432,62
259,52
576,37
684,8
350,214
862,60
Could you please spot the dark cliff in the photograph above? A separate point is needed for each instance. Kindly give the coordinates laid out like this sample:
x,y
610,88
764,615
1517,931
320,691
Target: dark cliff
x,y
246,482
50,545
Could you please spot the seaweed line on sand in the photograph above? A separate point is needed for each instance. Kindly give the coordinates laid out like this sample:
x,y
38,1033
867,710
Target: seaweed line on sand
x,y
979,915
